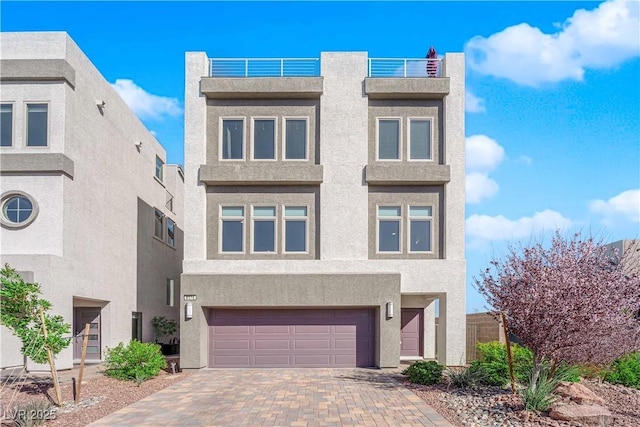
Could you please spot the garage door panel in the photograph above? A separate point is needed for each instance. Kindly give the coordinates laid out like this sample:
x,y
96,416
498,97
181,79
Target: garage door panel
x,y
291,338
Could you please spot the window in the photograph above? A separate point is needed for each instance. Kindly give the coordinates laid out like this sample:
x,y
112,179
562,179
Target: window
x,y
419,139
420,220
170,292
37,125
264,147
295,139
171,239
159,226
159,168
169,203
389,139
389,226
295,229
232,139
232,229
136,325
264,229
18,209
6,125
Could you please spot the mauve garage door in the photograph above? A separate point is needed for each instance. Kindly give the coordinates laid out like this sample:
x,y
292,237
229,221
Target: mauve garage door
x,y
274,338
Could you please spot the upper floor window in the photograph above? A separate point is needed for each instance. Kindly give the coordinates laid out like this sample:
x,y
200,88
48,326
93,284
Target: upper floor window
x,y
37,125
295,229
264,229
171,229
420,220
232,139
18,209
295,142
159,168
420,139
264,139
389,228
389,139
232,229
6,125
158,230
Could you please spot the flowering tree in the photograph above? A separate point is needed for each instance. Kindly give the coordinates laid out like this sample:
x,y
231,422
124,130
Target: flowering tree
x,y
572,302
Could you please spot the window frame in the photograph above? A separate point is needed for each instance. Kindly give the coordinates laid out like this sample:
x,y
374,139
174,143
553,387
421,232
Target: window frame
x,y
420,218
221,140
431,131
6,222
232,218
162,224
284,138
399,218
400,139
255,219
13,124
161,169
275,138
285,217
171,229
26,125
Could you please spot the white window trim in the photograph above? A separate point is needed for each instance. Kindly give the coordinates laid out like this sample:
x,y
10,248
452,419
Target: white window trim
x,y
275,229
399,219
5,222
13,123
173,245
221,135
295,218
400,139
419,218
422,119
275,138
284,139
233,218
25,131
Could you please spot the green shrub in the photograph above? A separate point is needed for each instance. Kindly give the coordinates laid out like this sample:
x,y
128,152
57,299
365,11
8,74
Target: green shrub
x,y
493,365
424,372
625,371
135,362
464,377
491,373
539,396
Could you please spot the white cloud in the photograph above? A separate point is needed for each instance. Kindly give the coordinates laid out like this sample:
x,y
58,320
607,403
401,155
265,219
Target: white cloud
x,y
144,104
600,38
484,227
479,187
625,205
473,104
483,154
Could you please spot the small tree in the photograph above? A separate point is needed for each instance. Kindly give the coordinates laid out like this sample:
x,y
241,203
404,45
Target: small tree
x,y
163,327
571,302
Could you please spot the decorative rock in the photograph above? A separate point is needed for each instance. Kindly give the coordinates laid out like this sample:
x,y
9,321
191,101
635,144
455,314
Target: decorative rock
x,y
578,393
592,415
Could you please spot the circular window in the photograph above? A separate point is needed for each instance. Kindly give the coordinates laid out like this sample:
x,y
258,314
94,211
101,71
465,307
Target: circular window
x,y
18,209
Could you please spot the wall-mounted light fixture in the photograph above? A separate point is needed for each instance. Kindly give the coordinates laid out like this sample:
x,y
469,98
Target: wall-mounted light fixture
x,y
389,310
138,144
101,104
188,310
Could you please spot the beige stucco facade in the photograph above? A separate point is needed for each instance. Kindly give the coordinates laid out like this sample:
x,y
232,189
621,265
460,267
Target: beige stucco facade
x,y
342,184
92,242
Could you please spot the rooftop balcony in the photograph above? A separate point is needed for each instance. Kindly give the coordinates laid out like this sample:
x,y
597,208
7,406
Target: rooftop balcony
x,y
264,67
404,67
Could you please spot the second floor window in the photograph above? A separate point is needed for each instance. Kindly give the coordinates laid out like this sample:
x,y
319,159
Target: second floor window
x,y
420,219
414,220
389,228
6,125
388,139
171,230
264,140
158,224
264,229
295,229
37,125
295,142
232,139
232,229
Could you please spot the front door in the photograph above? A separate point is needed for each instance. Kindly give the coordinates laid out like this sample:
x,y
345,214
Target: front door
x,y
82,316
411,332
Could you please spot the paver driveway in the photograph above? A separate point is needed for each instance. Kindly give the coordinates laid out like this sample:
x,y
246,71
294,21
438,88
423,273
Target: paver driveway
x,y
281,397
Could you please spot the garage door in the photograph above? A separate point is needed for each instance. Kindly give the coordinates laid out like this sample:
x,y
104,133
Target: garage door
x,y
273,338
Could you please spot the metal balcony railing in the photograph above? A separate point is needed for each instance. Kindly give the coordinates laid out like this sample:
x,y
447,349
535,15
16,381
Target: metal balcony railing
x,y
264,67
404,67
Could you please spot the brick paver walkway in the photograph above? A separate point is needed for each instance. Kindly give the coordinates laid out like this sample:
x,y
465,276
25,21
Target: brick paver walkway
x,y
281,397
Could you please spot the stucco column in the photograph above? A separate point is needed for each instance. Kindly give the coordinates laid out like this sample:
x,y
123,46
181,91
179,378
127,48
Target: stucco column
x,y
429,349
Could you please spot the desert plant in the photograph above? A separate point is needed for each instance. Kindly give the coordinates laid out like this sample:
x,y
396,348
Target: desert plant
x,y
424,372
493,368
33,413
464,377
537,393
625,371
162,328
136,362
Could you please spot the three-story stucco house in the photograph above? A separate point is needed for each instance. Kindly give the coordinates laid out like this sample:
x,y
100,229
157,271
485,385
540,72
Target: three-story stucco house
x,y
89,208
325,212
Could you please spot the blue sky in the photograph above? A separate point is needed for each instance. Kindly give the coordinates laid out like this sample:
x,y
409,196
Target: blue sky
x,y
553,90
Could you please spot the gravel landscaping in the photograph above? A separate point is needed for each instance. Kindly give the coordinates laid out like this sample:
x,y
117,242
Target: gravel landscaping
x,y
496,407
